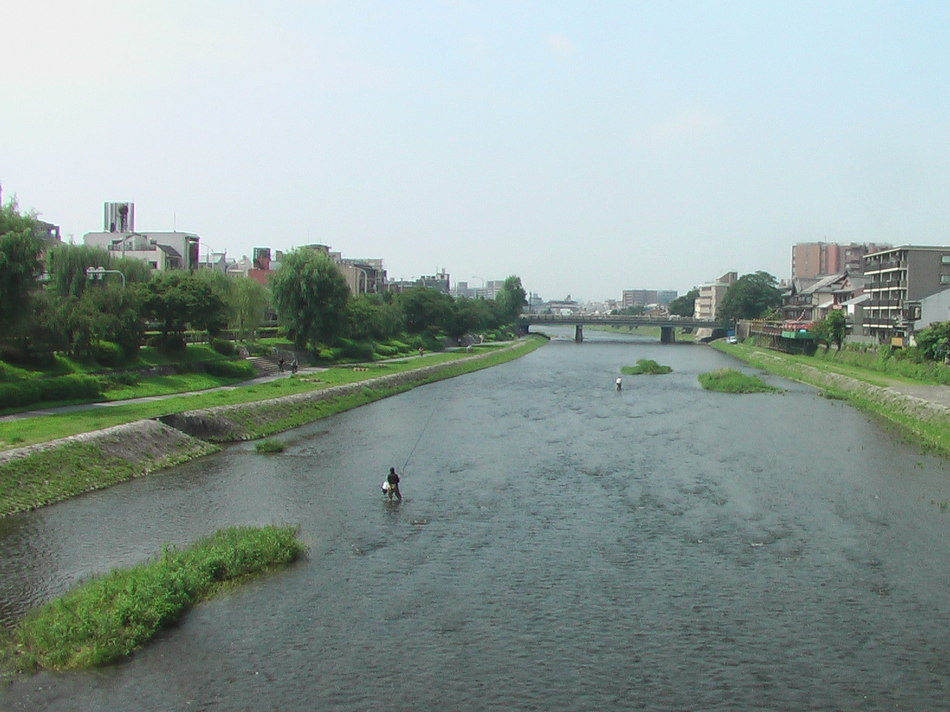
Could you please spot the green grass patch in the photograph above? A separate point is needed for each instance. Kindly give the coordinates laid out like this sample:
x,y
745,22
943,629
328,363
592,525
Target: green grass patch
x,y
729,380
165,385
269,446
646,366
109,617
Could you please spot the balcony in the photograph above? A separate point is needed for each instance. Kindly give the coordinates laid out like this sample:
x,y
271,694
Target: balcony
x,y
879,323
884,303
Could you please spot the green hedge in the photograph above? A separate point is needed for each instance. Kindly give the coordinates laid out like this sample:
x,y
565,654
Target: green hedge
x,y
231,369
64,388
224,347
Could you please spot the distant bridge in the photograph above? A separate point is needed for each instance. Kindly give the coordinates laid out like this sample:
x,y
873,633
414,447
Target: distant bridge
x,y
667,324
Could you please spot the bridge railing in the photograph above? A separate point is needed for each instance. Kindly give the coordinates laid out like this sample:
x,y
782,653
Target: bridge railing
x,y
616,319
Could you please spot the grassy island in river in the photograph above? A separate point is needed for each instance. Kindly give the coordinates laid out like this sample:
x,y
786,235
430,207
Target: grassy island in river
x,y
109,617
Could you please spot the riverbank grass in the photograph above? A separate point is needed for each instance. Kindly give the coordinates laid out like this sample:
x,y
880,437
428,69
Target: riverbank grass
x,y
109,617
646,366
729,380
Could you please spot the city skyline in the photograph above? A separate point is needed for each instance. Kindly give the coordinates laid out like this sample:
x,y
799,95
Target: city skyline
x,y
586,148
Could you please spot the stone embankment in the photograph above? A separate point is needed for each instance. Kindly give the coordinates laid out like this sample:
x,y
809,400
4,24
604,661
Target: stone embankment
x,y
146,443
246,421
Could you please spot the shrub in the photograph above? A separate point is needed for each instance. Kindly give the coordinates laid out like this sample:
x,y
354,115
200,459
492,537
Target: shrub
x,y
38,390
231,369
20,393
107,353
329,354
74,386
224,347
360,350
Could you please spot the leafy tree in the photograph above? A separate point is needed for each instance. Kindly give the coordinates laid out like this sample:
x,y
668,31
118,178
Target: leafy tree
x,y
46,334
832,329
752,296
19,266
247,303
426,309
214,318
311,295
67,266
511,298
471,315
177,299
685,305
118,312
934,341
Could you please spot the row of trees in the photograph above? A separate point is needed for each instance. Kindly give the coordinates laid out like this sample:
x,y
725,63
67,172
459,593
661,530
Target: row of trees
x,y
80,315
313,302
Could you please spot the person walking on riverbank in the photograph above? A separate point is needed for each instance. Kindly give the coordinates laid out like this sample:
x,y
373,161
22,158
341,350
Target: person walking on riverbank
x,y
619,383
392,479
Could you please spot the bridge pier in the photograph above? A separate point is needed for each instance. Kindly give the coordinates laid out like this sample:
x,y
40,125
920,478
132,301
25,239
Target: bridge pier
x,y
667,335
578,333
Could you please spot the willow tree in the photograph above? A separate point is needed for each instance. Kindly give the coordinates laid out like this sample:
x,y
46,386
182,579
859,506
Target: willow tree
x,y
310,294
247,304
19,267
511,298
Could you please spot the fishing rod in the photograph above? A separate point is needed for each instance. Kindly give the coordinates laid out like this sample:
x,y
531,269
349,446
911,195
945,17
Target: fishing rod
x,y
418,440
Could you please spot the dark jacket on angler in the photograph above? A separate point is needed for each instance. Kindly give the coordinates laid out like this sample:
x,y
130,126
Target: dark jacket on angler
x,y
393,479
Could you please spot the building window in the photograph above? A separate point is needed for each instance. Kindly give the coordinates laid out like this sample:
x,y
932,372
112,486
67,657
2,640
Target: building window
x,y
945,279
945,259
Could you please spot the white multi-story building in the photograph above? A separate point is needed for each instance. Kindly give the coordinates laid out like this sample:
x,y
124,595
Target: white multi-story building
x,y
711,294
161,250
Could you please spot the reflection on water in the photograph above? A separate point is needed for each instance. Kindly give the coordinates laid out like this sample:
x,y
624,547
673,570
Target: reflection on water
x,y
560,546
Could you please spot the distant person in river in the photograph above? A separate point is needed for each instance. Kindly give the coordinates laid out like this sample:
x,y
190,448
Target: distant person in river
x,y
392,479
619,384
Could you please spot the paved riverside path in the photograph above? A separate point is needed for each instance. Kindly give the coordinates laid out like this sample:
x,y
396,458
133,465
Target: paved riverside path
x,y
933,394
145,399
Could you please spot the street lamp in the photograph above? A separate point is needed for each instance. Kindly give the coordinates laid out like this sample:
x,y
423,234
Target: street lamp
x,y
365,280
97,273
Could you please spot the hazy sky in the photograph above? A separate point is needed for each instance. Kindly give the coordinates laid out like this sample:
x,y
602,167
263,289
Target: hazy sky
x,y
588,147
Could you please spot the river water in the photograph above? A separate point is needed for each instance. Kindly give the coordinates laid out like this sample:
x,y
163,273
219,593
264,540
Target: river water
x,y
561,546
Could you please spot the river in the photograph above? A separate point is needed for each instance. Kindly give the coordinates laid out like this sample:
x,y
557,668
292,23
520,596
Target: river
x,y
561,546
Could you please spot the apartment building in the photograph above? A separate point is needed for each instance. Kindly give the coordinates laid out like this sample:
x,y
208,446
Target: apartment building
x,y
816,259
711,294
896,277
643,297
